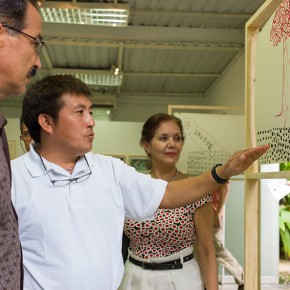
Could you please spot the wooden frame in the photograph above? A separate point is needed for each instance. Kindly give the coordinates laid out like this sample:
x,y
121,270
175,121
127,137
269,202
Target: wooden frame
x,y
253,176
213,109
141,163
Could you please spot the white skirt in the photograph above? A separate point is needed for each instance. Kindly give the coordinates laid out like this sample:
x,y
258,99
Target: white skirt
x,y
137,278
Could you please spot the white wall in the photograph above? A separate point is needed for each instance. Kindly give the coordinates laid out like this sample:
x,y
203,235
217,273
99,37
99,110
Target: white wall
x,y
269,228
118,138
13,134
139,109
230,90
234,222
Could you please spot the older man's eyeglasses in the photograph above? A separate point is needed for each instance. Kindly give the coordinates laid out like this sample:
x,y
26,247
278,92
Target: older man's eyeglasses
x,y
64,182
37,41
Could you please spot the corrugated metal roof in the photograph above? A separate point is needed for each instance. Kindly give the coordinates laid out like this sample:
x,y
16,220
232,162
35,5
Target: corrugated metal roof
x,y
170,47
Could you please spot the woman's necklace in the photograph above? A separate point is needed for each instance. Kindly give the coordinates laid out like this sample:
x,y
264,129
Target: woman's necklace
x,y
173,179
175,176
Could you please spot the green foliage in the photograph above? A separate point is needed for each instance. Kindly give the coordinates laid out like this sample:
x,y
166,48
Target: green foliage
x,y
285,166
284,217
284,226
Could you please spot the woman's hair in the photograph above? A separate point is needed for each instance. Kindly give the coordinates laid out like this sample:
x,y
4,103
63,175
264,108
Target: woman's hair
x,y
45,97
21,124
152,124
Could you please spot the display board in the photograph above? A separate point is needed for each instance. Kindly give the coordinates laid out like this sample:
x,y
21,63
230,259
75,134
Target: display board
x,y
263,120
272,85
209,139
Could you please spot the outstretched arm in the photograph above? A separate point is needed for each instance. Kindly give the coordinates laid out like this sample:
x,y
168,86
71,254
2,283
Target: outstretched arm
x,y
189,190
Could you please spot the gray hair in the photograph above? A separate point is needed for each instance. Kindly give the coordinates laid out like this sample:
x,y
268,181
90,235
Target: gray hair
x,y
13,12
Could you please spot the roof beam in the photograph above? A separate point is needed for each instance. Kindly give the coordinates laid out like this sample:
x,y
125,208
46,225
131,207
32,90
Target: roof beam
x,y
144,33
60,70
163,94
190,14
146,45
162,74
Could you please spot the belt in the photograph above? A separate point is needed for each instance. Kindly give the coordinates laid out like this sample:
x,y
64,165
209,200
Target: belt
x,y
169,265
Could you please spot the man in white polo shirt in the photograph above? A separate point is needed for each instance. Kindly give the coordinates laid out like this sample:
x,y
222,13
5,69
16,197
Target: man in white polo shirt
x,y
71,203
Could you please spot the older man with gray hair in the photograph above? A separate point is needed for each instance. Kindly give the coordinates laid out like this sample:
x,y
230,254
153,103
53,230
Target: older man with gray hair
x,y
20,44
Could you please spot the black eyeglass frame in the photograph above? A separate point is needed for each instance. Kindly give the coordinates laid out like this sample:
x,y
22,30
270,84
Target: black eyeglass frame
x,y
37,41
69,180
25,135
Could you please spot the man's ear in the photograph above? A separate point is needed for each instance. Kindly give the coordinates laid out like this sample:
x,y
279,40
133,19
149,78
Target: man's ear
x,y
1,33
46,123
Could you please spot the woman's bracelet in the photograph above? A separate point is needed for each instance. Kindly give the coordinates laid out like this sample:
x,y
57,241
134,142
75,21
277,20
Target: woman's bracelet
x,y
216,177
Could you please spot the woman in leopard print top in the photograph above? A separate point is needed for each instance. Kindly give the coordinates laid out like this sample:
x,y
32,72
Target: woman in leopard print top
x,y
172,234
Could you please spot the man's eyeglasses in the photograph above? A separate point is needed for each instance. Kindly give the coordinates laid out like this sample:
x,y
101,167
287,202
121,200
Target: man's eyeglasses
x,y
37,41
25,135
26,138
64,182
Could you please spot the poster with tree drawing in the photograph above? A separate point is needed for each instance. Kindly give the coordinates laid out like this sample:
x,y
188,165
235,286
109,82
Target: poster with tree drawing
x,y
272,85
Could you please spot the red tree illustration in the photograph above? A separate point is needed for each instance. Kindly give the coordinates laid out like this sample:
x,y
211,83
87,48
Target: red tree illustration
x,y
279,33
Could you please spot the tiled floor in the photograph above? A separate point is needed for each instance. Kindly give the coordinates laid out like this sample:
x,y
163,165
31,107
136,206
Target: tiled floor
x,y
284,270
284,266
263,287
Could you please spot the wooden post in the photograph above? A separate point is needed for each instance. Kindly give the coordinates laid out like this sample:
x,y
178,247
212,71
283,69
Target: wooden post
x,y
252,193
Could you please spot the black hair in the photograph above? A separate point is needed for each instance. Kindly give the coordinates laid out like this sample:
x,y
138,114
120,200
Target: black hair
x,y
21,122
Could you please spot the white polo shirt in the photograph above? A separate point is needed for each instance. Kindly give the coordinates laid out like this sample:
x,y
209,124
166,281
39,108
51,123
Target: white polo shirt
x,y
71,236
